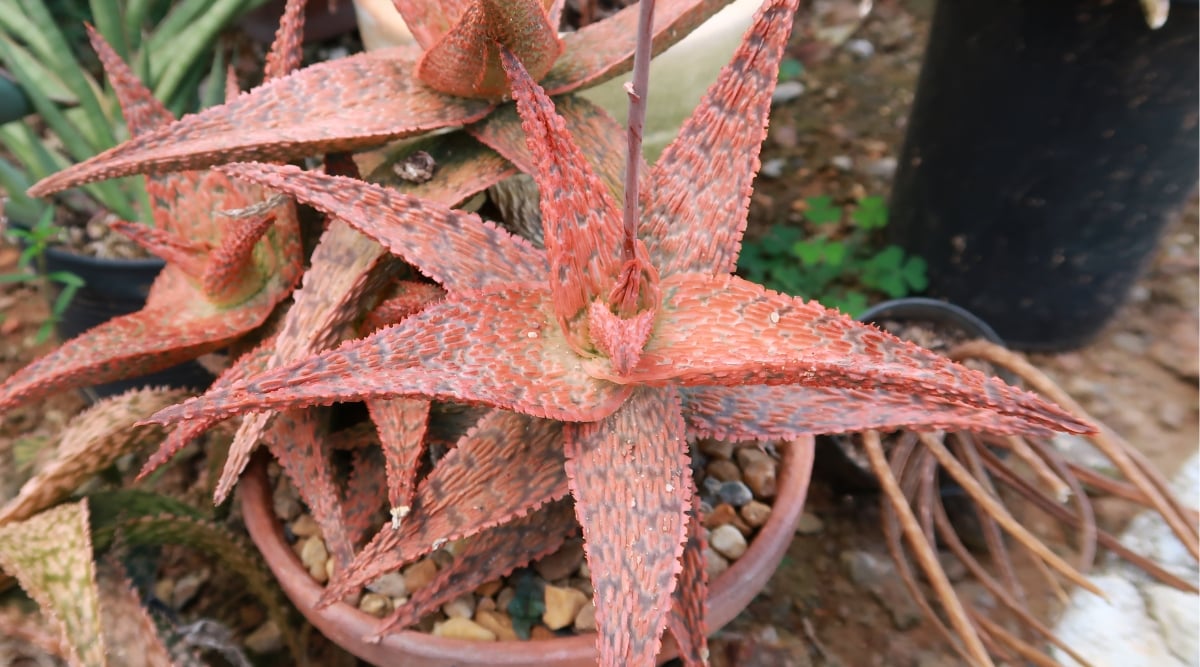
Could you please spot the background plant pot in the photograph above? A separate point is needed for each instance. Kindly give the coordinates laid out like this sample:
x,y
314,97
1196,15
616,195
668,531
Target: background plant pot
x,y
1048,143
680,75
834,463
114,287
347,626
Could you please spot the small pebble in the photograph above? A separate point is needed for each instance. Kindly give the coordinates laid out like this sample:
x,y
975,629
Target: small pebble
x,y
758,471
710,486
391,584
314,556
266,638
505,596
735,493
187,586
562,563
484,604
884,167
787,91
585,620
860,48
419,574
728,541
842,162
562,604
773,168
717,449
375,604
489,588
305,526
462,606
714,563
809,524
541,632
724,470
582,585
284,500
498,623
756,513
463,628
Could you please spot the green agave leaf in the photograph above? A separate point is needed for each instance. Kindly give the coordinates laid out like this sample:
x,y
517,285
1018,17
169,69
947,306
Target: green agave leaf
x,y
145,518
51,556
91,442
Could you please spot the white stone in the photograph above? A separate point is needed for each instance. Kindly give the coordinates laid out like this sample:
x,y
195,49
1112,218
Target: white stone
x,y
728,541
1143,623
1116,633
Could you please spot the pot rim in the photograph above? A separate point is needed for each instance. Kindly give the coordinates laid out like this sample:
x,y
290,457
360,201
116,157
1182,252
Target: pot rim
x,y
348,626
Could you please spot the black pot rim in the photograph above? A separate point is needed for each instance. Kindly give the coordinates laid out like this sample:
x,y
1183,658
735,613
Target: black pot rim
x,y
60,252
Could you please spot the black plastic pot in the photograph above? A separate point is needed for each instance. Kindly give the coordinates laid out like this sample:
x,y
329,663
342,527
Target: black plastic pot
x,y
114,287
1048,145
833,462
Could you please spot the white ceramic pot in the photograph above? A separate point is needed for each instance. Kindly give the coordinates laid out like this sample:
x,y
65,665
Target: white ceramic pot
x,y
678,76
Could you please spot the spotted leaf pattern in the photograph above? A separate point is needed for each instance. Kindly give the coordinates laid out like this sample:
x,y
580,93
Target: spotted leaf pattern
x,y
491,554
368,99
632,486
506,466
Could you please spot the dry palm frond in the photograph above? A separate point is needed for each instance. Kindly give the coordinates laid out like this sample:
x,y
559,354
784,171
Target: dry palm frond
x,y
916,522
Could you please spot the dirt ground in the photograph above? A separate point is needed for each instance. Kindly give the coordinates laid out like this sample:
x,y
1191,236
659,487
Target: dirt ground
x,y
1139,377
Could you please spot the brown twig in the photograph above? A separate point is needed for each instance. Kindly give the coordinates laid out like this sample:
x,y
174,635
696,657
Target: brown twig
x,y
926,558
1127,460
1102,538
1017,607
998,511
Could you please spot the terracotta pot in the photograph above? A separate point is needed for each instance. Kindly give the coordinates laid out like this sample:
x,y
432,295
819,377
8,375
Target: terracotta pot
x,y
347,626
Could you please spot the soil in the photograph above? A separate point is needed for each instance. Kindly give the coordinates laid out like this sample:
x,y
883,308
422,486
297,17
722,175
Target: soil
x,y
826,604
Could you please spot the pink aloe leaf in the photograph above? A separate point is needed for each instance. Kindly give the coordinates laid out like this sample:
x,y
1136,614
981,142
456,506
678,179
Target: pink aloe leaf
x,y
142,111
347,266
287,49
252,362
149,340
366,489
504,467
455,248
632,485
428,21
338,105
774,412
727,331
50,554
411,297
688,602
297,440
696,224
604,50
401,423
437,354
582,221
465,61
491,554
599,138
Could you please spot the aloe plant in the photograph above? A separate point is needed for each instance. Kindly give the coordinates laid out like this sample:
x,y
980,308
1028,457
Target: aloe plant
x,y
624,338
593,361
232,254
